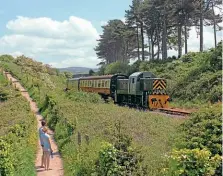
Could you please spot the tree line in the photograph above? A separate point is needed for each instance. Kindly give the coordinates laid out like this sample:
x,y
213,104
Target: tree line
x,y
165,24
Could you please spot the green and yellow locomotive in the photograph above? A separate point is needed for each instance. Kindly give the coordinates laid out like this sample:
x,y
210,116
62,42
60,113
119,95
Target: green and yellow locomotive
x,y
141,89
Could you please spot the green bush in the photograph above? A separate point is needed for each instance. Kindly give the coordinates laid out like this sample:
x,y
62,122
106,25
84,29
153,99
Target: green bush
x,y
204,130
84,97
186,162
120,159
199,146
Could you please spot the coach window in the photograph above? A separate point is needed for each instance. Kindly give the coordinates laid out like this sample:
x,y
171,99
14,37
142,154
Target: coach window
x,y
106,83
103,83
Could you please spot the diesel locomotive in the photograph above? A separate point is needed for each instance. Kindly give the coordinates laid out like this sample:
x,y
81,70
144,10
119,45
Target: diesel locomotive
x,y
140,89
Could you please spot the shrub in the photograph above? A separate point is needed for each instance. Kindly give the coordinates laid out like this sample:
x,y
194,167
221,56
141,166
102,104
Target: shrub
x,y
192,162
120,159
199,146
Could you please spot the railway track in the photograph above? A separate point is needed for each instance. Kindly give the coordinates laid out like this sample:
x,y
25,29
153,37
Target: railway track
x,y
175,111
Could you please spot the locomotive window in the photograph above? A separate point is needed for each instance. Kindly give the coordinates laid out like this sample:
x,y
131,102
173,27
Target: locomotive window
x,y
133,80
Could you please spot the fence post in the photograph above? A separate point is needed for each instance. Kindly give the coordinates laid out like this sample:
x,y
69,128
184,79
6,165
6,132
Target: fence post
x,y
87,139
79,138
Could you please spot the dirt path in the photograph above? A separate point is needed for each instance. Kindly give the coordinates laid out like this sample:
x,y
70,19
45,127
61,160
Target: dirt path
x,y
56,165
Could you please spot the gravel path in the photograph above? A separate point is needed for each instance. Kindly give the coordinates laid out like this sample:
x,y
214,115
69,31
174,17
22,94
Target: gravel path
x,y
56,165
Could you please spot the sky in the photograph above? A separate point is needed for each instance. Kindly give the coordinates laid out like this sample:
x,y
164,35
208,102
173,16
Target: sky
x,y
63,33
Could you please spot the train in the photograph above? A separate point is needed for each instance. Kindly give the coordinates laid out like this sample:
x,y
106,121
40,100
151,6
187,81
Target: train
x,y
140,89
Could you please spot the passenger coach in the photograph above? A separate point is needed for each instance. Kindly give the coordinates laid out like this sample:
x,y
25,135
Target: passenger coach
x,y
104,85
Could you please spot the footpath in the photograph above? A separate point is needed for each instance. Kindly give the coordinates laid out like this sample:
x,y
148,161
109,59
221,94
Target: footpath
x,y
56,165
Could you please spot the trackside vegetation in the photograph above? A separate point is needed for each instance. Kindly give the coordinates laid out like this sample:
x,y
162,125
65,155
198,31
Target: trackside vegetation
x,y
97,138
85,127
17,133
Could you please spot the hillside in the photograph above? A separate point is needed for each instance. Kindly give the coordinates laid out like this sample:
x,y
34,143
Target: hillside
x,y
77,70
84,115
18,135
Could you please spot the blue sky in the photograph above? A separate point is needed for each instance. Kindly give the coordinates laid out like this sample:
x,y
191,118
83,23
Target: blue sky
x,y
92,10
64,33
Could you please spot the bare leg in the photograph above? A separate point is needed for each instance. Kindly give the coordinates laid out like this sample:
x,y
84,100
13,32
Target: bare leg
x,y
47,160
42,161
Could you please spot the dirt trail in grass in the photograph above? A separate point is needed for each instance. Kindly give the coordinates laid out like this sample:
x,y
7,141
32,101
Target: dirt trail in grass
x,y
56,165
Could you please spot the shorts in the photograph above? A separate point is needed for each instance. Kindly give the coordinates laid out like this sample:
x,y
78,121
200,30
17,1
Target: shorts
x,y
46,150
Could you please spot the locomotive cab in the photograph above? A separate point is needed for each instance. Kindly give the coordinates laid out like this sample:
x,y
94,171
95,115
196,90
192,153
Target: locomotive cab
x,y
156,91
151,89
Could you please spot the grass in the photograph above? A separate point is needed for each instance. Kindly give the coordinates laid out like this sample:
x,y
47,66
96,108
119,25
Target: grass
x,y
152,134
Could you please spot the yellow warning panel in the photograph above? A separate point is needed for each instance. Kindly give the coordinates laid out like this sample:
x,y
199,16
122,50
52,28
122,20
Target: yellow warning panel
x,y
159,84
158,101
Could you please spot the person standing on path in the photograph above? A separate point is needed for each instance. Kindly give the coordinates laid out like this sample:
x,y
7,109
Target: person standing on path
x,y
41,133
47,150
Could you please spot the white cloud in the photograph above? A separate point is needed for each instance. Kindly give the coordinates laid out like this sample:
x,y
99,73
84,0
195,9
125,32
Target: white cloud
x,y
46,27
69,42
64,43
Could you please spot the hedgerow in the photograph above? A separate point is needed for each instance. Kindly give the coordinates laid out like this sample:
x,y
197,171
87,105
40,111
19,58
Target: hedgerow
x,y
17,133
